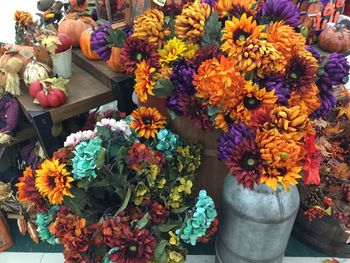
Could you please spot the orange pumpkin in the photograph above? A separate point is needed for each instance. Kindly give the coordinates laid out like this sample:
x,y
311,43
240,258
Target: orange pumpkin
x,y
85,45
335,39
74,25
78,5
114,61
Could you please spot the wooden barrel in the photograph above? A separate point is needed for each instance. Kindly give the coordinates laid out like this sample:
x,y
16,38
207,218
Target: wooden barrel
x,y
5,236
212,172
324,235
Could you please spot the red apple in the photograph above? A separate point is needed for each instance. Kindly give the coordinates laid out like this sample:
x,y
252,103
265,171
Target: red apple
x,y
34,88
66,43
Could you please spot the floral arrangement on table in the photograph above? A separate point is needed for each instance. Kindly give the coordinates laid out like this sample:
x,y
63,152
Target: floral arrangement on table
x,y
122,192
332,197
239,66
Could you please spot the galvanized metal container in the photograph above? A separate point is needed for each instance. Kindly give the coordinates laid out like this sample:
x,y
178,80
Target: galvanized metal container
x,y
255,225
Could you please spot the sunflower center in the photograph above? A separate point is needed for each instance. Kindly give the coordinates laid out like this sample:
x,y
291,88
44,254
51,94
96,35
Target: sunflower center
x,y
240,35
296,74
146,120
52,182
251,103
282,171
132,250
248,162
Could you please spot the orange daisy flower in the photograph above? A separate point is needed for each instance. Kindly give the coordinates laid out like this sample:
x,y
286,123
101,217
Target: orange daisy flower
x,y
53,181
147,121
308,101
255,103
219,82
144,83
237,31
278,150
285,39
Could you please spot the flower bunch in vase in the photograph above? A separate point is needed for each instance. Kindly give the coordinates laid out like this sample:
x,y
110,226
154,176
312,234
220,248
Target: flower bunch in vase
x,y
122,192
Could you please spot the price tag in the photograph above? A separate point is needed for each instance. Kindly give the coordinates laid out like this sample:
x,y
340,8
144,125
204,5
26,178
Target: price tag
x,y
160,2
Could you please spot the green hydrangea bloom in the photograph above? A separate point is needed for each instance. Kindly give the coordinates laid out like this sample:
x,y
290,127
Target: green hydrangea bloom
x,y
167,143
43,222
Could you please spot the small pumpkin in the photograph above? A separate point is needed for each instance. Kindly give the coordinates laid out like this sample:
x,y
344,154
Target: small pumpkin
x,y
35,71
114,61
74,25
335,39
78,5
85,45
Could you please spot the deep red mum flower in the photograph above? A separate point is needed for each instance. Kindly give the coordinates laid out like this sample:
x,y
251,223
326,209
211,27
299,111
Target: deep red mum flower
x,y
135,246
312,161
140,155
75,257
136,50
210,231
64,154
205,53
159,213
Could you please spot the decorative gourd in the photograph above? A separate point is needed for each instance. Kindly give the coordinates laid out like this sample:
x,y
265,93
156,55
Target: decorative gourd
x,y
114,61
85,45
78,5
74,25
35,71
335,39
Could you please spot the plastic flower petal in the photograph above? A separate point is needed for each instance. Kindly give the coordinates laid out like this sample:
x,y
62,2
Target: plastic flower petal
x,y
172,50
144,83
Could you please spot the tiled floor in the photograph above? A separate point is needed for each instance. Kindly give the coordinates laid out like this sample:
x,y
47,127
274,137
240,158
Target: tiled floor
x,y
58,258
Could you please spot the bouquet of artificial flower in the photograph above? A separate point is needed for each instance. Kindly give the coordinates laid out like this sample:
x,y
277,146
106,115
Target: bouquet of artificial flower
x,y
243,67
122,192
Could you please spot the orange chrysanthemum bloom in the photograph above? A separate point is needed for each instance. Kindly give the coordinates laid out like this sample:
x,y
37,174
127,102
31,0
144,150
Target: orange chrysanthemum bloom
x,y
224,6
254,101
278,150
222,121
286,177
23,184
147,121
164,72
290,120
237,31
219,82
285,39
308,101
144,83
53,181
261,56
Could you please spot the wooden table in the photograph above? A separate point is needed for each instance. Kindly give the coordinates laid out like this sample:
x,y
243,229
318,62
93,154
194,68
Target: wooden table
x,y
84,93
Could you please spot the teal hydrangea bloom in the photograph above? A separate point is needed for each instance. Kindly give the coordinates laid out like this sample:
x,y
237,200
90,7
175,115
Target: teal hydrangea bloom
x,y
85,159
43,222
196,226
167,143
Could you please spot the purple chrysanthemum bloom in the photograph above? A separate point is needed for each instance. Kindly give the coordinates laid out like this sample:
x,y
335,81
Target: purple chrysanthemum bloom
x,y
128,30
279,10
99,42
94,14
182,77
336,70
314,53
277,83
228,140
328,102
209,2
172,104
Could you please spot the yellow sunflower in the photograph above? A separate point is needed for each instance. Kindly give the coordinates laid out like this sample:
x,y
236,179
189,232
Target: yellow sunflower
x,y
286,177
53,181
237,31
172,50
144,83
255,103
223,7
147,121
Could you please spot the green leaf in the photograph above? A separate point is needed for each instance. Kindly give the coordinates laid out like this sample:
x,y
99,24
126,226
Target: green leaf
x,y
102,183
78,202
213,110
100,161
103,131
180,210
212,31
159,252
143,221
163,88
125,202
166,227
116,37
